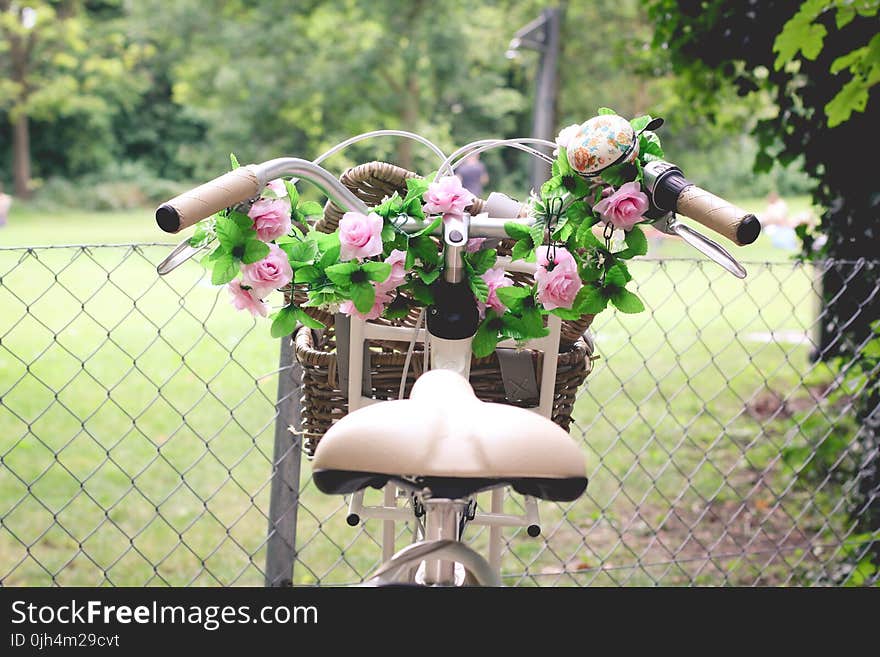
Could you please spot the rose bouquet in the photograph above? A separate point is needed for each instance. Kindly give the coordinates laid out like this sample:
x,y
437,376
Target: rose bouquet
x,y
584,228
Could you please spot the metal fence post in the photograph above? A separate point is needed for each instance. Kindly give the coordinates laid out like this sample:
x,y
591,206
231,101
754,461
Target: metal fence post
x,y
287,455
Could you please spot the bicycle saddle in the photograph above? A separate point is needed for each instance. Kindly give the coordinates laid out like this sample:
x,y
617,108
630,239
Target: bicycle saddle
x,y
445,439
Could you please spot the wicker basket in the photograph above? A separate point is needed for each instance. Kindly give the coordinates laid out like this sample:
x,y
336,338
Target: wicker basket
x,y
325,398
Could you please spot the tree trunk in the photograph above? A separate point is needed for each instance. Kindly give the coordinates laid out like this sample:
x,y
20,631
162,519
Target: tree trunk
x,y
21,157
410,116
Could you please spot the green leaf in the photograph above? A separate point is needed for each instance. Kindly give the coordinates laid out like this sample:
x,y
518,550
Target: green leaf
x,y
224,270
311,209
307,274
284,323
388,233
853,97
627,302
592,302
514,328
300,252
640,122
421,292
636,241
430,228
523,250
229,234
481,261
425,249
585,236
391,208
537,233
552,187
254,251
306,320
428,276
606,110
801,34
376,271
341,273
233,161
329,257
292,194
763,162
486,339
244,222
415,188
533,324
363,295
479,288
512,296
563,166
516,230
616,276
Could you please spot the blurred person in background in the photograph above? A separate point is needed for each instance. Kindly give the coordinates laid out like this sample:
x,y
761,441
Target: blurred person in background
x,y
473,174
777,223
5,204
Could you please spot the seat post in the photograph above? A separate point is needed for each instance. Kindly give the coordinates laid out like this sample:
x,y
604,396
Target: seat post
x,y
442,517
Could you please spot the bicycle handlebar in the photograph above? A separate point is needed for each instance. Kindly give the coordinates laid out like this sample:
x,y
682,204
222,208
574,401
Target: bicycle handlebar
x,y
244,183
672,192
726,219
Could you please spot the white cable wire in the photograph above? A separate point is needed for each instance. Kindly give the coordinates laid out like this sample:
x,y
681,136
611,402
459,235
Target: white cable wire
x,y
409,352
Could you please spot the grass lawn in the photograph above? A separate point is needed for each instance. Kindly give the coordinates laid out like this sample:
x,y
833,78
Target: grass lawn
x,y
136,426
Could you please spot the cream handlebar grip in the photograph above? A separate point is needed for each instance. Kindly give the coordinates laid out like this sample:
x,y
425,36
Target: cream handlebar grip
x,y
191,207
713,212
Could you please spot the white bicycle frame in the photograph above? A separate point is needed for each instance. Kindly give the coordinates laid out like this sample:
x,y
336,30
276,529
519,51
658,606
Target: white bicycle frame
x,y
432,560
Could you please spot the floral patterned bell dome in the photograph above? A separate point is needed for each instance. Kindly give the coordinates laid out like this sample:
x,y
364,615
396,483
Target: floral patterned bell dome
x,y
600,142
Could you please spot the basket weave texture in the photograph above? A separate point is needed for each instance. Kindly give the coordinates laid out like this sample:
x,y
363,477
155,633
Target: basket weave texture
x,y
324,398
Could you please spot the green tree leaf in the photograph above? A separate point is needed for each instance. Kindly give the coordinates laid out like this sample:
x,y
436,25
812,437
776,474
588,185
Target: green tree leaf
x,y
292,194
428,276
605,110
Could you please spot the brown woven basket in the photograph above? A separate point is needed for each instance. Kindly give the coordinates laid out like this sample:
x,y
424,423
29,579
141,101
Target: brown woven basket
x,y
324,398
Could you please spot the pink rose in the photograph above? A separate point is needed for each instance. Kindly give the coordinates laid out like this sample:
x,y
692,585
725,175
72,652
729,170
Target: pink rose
x,y
561,258
397,260
271,217
563,139
474,244
559,283
378,308
494,279
625,207
360,236
270,273
278,187
246,299
447,196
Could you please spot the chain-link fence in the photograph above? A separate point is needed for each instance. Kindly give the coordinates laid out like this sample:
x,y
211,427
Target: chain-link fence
x,y
138,437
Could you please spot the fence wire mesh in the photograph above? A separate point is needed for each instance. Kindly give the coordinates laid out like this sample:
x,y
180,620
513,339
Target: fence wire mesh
x,y
138,413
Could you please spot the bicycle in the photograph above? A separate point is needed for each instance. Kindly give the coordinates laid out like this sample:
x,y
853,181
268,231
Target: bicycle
x,y
442,455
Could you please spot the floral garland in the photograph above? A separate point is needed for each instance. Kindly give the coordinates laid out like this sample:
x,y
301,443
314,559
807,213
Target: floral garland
x,y
370,268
